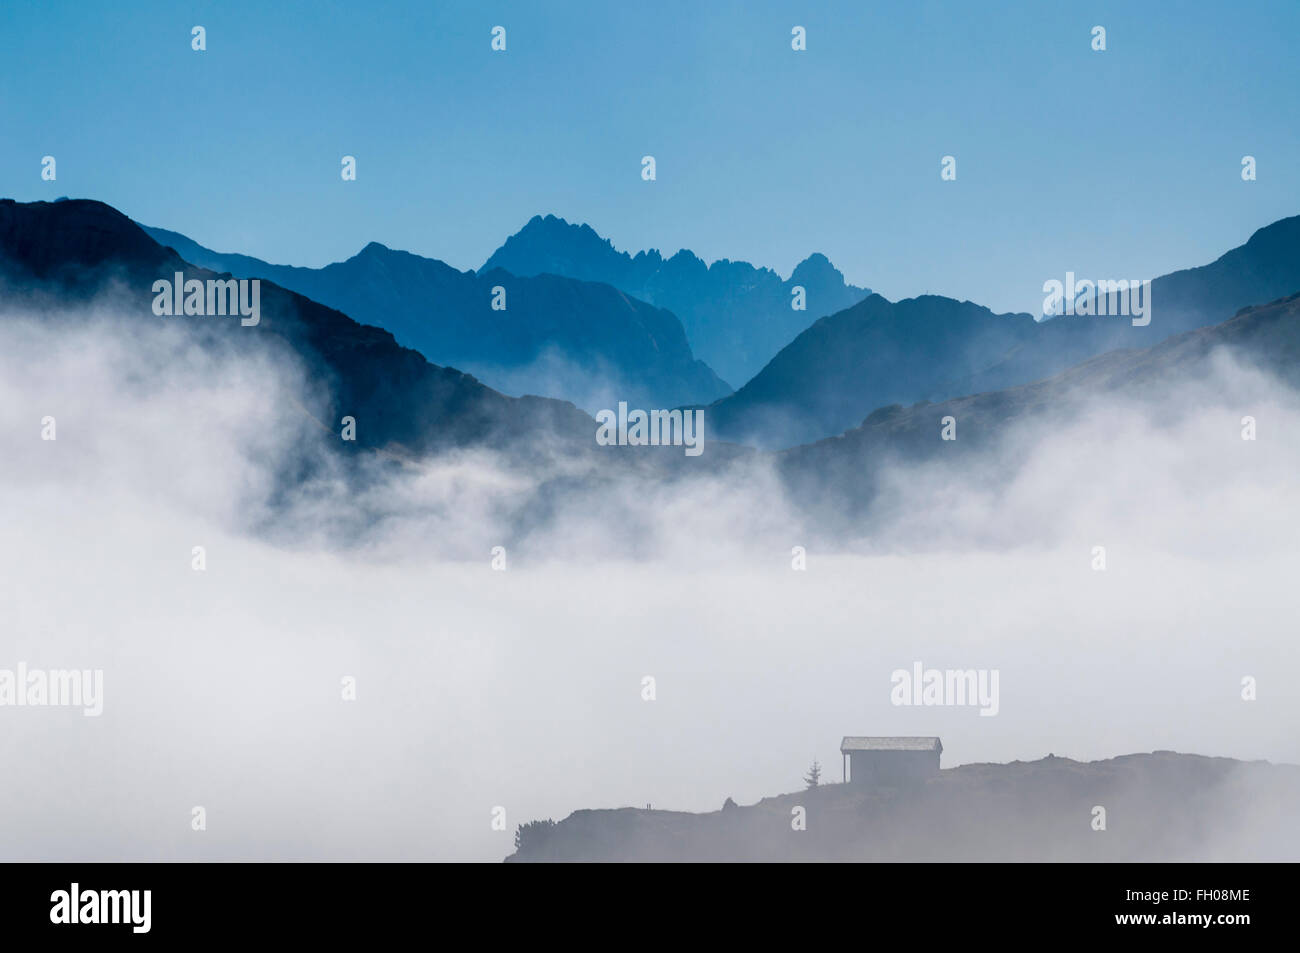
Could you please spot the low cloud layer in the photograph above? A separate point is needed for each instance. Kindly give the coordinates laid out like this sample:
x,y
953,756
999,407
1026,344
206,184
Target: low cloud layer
x,y
523,689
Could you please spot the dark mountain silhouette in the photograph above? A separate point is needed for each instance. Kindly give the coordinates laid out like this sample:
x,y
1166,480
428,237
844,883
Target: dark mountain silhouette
x,y
879,353
837,476
1159,807
872,354
1264,269
736,316
557,337
55,254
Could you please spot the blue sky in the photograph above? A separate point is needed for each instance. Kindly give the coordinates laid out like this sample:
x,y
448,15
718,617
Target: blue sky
x,y
1117,164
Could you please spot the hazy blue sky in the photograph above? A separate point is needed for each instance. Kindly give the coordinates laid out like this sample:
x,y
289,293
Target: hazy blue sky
x,y
1117,164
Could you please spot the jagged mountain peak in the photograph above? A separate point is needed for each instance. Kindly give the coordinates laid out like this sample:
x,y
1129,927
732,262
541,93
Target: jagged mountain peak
x,y
736,314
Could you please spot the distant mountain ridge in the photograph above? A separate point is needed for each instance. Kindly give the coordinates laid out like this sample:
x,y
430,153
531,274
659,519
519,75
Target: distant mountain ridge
x,y
871,355
57,254
555,337
837,477
53,255
931,348
72,267
736,315
1264,269
577,326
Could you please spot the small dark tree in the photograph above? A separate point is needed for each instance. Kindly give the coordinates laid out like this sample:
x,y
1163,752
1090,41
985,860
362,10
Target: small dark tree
x,y
533,834
814,776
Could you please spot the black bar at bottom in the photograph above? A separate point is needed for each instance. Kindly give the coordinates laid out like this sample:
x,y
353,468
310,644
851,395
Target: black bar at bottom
x,y
381,901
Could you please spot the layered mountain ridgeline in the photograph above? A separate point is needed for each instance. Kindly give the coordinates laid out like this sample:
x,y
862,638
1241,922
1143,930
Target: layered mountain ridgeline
x,y
1158,807
84,274
838,476
1264,269
56,254
879,353
736,316
552,336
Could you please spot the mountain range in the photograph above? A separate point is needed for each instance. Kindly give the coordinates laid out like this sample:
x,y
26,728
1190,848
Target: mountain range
x,y
879,353
593,325
736,315
53,254
552,336
838,476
